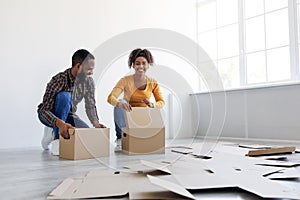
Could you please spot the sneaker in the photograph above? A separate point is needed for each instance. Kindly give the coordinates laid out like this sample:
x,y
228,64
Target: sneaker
x,y
48,137
55,147
118,146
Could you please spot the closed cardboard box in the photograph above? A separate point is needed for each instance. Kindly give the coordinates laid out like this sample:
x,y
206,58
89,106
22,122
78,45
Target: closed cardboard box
x,y
85,143
144,132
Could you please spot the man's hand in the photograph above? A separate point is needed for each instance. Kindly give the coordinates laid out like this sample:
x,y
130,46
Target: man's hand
x,y
148,103
63,128
98,125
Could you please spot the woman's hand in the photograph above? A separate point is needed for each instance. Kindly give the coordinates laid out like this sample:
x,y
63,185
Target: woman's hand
x,y
148,103
126,106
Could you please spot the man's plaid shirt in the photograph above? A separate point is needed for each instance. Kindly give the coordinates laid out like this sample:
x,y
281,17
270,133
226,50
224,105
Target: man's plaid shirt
x,y
64,81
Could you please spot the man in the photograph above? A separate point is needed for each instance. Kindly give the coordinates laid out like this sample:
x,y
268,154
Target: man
x,y
63,93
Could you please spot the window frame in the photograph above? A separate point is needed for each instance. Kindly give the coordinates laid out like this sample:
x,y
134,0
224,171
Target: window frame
x,y
293,44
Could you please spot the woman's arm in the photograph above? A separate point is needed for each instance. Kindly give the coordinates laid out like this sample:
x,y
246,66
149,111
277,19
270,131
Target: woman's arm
x,y
159,100
115,93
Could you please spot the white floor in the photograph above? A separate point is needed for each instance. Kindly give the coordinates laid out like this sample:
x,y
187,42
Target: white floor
x,y
32,173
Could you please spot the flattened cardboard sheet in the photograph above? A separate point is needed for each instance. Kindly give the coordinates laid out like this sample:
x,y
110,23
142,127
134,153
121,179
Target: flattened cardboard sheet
x,y
92,186
109,183
115,185
220,165
203,181
188,165
264,187
182,150
255,146
271,151
221,148
187,173
66,189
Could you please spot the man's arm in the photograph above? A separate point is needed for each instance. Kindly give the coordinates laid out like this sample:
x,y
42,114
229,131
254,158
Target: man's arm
x,y
47,107
90,104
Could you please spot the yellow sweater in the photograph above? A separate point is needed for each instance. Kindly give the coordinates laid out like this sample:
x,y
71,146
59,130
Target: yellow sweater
x,y
135,96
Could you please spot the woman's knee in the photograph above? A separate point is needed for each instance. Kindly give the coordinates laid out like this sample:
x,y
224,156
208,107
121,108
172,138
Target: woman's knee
x,y
119,117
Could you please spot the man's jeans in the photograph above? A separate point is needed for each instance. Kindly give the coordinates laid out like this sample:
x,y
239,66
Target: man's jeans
x,y
119,119
63,102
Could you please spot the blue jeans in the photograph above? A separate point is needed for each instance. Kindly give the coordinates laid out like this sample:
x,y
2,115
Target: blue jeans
x,y
62,106
119,119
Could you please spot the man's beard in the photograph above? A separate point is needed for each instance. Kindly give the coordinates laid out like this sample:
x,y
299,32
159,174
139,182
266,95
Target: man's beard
x,y
81,77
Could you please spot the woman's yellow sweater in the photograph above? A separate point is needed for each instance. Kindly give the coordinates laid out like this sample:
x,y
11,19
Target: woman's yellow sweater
x,y
135,96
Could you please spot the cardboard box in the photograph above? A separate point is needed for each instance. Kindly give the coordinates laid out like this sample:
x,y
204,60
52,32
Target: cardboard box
x,y
85,143
144,132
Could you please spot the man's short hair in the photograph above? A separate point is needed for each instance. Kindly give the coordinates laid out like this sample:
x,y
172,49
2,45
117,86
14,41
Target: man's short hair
x,y
80,56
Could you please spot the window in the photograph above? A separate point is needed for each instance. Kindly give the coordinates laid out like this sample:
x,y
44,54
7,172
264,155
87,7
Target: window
x,y
251,41
266,35
218,36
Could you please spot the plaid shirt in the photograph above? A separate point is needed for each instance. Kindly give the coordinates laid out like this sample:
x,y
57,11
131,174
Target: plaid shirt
x,y
64,81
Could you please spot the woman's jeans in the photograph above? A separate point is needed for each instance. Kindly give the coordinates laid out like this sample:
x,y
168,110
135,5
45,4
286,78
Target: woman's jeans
x,y
63,102
119,119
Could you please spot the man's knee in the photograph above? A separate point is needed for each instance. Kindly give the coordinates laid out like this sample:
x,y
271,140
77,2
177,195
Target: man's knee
x,y
63,98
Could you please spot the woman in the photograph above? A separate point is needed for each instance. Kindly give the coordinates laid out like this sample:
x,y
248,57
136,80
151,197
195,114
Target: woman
x,y
137,89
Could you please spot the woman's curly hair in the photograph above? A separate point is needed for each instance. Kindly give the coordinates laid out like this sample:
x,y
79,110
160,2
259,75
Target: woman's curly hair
x,y
140,53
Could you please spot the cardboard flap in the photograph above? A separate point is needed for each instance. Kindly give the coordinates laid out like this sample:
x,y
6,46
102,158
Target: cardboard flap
x,y
147,167
284,174
160,166
99,184
106,186
142,188
66,189
178,189
62,187
278,163
141,117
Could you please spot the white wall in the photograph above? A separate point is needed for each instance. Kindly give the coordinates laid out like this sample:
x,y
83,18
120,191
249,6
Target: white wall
x,y
38,38
267,113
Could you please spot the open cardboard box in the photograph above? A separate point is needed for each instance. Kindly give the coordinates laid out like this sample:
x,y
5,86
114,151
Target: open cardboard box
x,y
144,132
85,143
